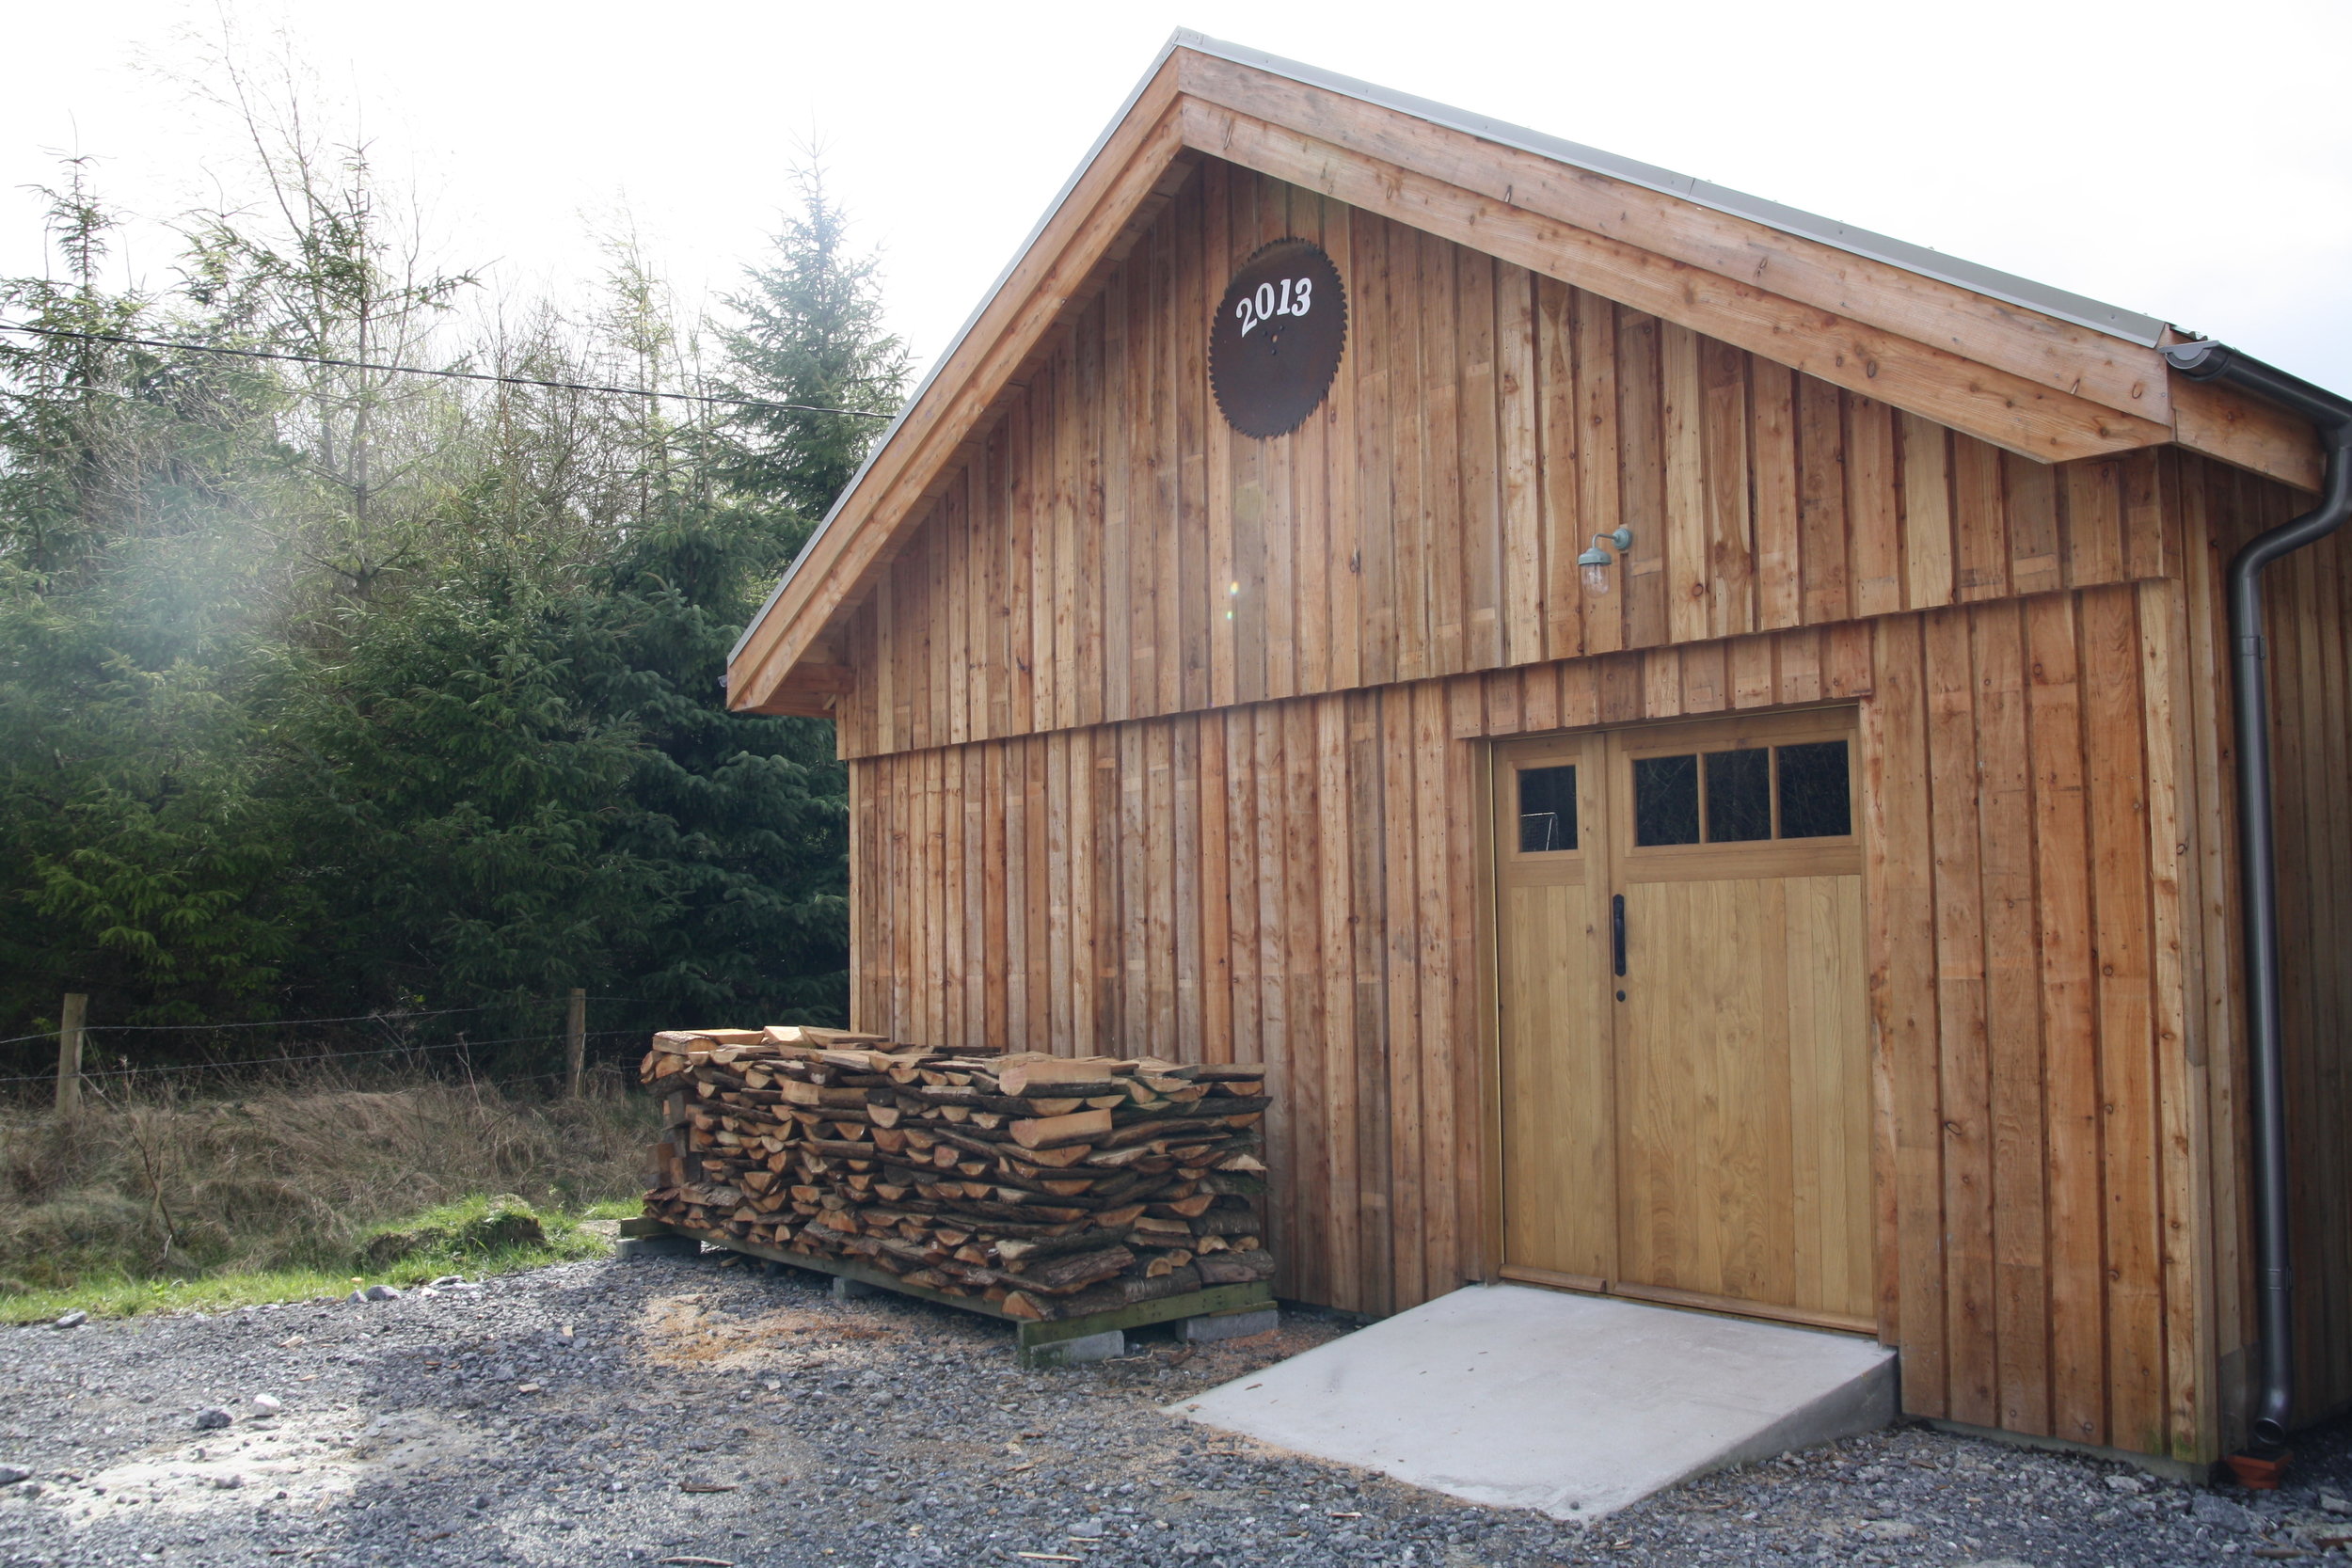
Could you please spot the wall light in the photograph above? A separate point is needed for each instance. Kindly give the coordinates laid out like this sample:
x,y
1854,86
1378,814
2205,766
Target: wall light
x,y
1596,561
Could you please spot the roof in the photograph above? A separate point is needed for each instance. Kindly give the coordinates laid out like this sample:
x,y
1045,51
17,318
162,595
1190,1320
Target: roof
x,y
2035,369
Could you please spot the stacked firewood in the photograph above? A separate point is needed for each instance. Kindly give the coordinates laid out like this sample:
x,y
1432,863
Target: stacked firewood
x,y
1049,1186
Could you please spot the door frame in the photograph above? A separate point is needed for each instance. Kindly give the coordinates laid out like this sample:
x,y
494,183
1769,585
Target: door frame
x,y
1488,963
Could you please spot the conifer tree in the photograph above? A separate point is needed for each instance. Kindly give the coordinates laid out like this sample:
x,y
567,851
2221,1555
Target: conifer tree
x,y
812,334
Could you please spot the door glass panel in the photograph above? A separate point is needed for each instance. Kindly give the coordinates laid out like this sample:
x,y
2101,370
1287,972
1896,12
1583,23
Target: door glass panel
x,y
1738,796
1666,800
1547,809
1815,798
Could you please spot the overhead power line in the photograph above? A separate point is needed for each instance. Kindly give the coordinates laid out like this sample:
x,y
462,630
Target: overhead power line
x,y
445,375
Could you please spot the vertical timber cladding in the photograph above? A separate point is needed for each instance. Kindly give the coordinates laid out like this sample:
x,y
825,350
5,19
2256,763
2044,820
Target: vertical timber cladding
x,y
1165,738
1300,882
1111,549
2309,657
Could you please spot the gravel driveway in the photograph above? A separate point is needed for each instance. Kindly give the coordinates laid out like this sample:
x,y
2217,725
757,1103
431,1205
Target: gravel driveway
x,y
674,1410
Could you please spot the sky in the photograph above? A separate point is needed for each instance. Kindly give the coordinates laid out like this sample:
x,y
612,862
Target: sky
x,y
2191,161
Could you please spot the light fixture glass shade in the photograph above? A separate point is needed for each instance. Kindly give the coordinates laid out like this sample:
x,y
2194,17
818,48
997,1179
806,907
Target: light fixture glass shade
x,y
1596,561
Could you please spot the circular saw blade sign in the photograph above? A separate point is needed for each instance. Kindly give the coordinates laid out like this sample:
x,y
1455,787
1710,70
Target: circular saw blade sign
x,y
1277,339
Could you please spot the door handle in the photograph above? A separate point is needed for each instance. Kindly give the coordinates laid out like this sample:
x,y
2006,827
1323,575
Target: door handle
x,y
1616,932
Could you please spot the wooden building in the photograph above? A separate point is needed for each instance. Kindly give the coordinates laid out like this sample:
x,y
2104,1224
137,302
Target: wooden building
x,y
1826,909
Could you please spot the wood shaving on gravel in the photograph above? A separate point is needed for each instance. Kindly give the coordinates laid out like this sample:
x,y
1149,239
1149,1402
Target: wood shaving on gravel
x,y
685,1411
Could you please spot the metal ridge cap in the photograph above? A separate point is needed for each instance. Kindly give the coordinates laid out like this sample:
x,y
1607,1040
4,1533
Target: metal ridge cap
x,y
1179,39
2081,310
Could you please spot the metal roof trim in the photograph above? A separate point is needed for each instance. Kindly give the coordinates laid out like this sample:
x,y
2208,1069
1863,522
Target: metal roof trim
x,y
2110,319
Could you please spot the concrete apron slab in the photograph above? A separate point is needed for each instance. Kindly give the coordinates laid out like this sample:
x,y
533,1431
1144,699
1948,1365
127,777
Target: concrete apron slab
x,y
1577,1405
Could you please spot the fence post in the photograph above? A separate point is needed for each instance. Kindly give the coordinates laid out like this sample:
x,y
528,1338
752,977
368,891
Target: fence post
x,y
70,1052
576,1040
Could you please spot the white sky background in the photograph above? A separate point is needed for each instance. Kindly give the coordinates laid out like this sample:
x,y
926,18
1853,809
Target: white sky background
x,y
2191,160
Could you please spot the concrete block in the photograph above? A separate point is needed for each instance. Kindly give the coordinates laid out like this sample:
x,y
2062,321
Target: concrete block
x,y
1577,1406
1228,1325
1069,1353
657,1246
846,1289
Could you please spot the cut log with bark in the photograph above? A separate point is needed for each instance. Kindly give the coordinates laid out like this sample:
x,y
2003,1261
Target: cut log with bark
x,y
1047,1187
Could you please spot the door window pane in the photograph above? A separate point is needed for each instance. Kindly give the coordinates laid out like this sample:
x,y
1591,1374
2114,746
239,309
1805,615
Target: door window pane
x,y
1738,796
1666,800
1547,809
1815,800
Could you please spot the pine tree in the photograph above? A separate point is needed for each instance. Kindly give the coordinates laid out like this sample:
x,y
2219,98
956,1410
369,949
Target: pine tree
x,y
812,334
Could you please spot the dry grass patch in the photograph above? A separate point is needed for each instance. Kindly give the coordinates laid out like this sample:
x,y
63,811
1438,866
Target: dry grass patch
x,y
168,1200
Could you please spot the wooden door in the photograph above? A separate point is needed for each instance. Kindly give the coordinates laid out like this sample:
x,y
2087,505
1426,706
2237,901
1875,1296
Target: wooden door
x,y
1559,1137
1718,1153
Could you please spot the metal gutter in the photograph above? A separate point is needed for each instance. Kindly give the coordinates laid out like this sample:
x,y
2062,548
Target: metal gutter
x,y
2274,1273
2112,320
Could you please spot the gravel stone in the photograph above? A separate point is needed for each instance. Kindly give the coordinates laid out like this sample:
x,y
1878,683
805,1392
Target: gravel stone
x,y
11,1474
268,1404
882,1432
74,1319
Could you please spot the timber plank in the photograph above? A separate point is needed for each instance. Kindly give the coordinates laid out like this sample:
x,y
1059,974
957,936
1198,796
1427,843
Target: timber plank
x,y
1158,894
1980,521
1373,374
2013,1021
2071,1088
1310,1129
1187,472
1641,573
1926,497
1872,508
1687,577
1185,901
1399,822
1827,593
1730,565
1898,866
1478,533
1443,395
2035,565
1966,1088
1215,844
1335,1050
2180,1124
1598,493
1343,488
1126,450
1312,568
2119,914
1518,398
1779,574
1558,435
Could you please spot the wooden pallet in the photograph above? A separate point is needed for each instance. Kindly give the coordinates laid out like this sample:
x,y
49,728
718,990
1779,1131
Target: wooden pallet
x,y
1035,1338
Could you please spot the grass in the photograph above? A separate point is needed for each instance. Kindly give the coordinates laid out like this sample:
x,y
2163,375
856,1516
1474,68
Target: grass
x,y
182,1203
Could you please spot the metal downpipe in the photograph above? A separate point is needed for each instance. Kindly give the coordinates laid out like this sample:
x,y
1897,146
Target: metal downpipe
x,y
2258,852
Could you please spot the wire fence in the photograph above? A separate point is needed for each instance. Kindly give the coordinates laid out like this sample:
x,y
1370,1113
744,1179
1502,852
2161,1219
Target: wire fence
x,y
462,1055
164,1069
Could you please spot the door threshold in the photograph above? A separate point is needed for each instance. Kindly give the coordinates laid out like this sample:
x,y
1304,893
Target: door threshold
x,y
1696,1301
